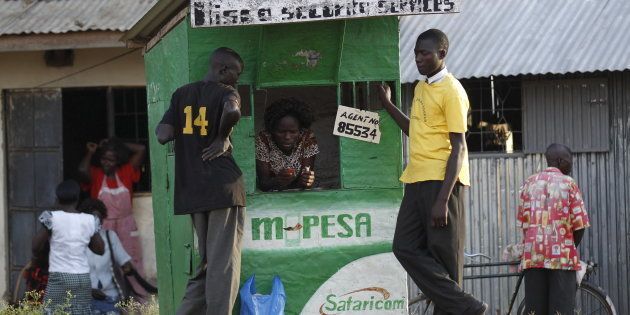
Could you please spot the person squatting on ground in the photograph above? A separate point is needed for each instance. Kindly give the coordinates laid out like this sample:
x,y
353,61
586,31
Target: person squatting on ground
x,y
430,229
553,217
69,234
111,180
286,149
105,290
208,182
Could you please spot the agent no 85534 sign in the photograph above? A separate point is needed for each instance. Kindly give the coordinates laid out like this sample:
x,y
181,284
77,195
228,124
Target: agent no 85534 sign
x,y
357,124
209,13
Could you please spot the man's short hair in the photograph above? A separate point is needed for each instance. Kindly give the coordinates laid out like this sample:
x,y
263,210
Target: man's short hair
x,y
435,35
227,51
556,149
68,192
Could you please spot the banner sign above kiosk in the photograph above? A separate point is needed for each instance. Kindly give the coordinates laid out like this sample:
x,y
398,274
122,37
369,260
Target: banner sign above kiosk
x,y
211,13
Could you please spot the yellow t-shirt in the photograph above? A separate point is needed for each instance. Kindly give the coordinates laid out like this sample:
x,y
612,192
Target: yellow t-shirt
x,y
438,108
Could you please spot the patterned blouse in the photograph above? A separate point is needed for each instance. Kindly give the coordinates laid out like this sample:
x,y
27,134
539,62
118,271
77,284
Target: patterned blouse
x,y
268,151
550,210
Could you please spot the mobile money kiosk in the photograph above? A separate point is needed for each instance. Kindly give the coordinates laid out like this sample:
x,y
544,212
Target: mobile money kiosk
x,y
330,245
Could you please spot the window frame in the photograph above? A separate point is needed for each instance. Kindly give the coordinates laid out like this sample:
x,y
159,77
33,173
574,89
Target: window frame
x,y
112,116
368,95
514,83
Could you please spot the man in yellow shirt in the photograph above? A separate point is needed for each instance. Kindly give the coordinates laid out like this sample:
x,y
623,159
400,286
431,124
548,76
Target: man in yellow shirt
x,y
430,230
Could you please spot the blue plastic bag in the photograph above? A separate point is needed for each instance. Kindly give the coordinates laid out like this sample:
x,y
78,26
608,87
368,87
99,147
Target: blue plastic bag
x,y
258,304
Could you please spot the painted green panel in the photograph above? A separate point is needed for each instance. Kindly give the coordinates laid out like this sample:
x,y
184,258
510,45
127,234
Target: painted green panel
x,y
182,244
325,199
161,212
182,57
370,50
166,69
167,65
154,81
369,165
290,266
245,151
308,56
304,270
243,40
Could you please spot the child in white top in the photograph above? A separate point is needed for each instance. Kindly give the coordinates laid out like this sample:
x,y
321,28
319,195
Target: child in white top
x,y
107,290
69,233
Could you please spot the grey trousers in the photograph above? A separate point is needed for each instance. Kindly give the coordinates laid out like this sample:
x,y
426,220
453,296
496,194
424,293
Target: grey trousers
x,y
550,292
432,256
214,288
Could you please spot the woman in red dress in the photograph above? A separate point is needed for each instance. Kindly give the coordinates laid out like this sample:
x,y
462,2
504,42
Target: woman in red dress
x,y
109,170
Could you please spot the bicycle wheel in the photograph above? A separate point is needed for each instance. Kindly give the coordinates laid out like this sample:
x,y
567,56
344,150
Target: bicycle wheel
x,y
419,305
589,299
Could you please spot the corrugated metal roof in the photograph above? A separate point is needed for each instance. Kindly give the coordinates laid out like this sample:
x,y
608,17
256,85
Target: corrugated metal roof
x,y
62,16
512,37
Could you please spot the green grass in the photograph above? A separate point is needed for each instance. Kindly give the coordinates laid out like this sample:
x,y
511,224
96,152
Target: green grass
x,y
30,305
133,307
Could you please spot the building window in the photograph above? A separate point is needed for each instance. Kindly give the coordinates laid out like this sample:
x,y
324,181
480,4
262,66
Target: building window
x,y
364,95
130,124
341,157
130,114
526,114
495,120
93,114
323,102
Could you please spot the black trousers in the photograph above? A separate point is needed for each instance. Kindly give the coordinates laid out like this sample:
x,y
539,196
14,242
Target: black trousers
x,y
550,292
434,256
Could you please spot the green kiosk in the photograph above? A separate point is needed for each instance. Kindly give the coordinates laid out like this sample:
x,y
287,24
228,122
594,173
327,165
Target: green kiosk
x,y
330,245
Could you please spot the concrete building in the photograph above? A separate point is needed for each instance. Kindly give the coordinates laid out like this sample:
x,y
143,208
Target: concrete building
x,y
65,79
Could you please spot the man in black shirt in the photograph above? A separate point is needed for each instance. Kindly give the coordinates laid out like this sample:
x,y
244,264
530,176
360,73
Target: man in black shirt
x,y
208,183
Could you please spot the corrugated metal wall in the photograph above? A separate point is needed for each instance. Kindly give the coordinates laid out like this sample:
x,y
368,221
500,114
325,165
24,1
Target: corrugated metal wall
x,y
584,101
493,198
513,37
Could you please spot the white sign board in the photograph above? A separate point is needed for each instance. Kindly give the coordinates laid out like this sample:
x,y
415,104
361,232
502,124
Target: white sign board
x,y
211,13
371,285
357,124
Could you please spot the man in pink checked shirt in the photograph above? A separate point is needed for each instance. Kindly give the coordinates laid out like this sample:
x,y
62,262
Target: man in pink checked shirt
x,y
552,215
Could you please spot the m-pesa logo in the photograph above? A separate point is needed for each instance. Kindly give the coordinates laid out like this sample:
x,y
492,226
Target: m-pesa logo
x,y
371,299
316,228
329,226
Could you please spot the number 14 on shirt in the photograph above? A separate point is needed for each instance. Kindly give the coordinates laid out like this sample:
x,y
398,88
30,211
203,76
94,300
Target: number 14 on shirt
x,y
200,121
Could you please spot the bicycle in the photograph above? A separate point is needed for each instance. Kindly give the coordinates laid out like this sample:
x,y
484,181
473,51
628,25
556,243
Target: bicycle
x,y
590,299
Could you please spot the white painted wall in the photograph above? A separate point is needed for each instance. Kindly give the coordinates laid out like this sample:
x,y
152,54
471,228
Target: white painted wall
x,y
143,213
27,69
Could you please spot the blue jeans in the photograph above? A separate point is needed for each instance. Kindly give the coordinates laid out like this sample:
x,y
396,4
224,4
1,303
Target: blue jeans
x,y
105,307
